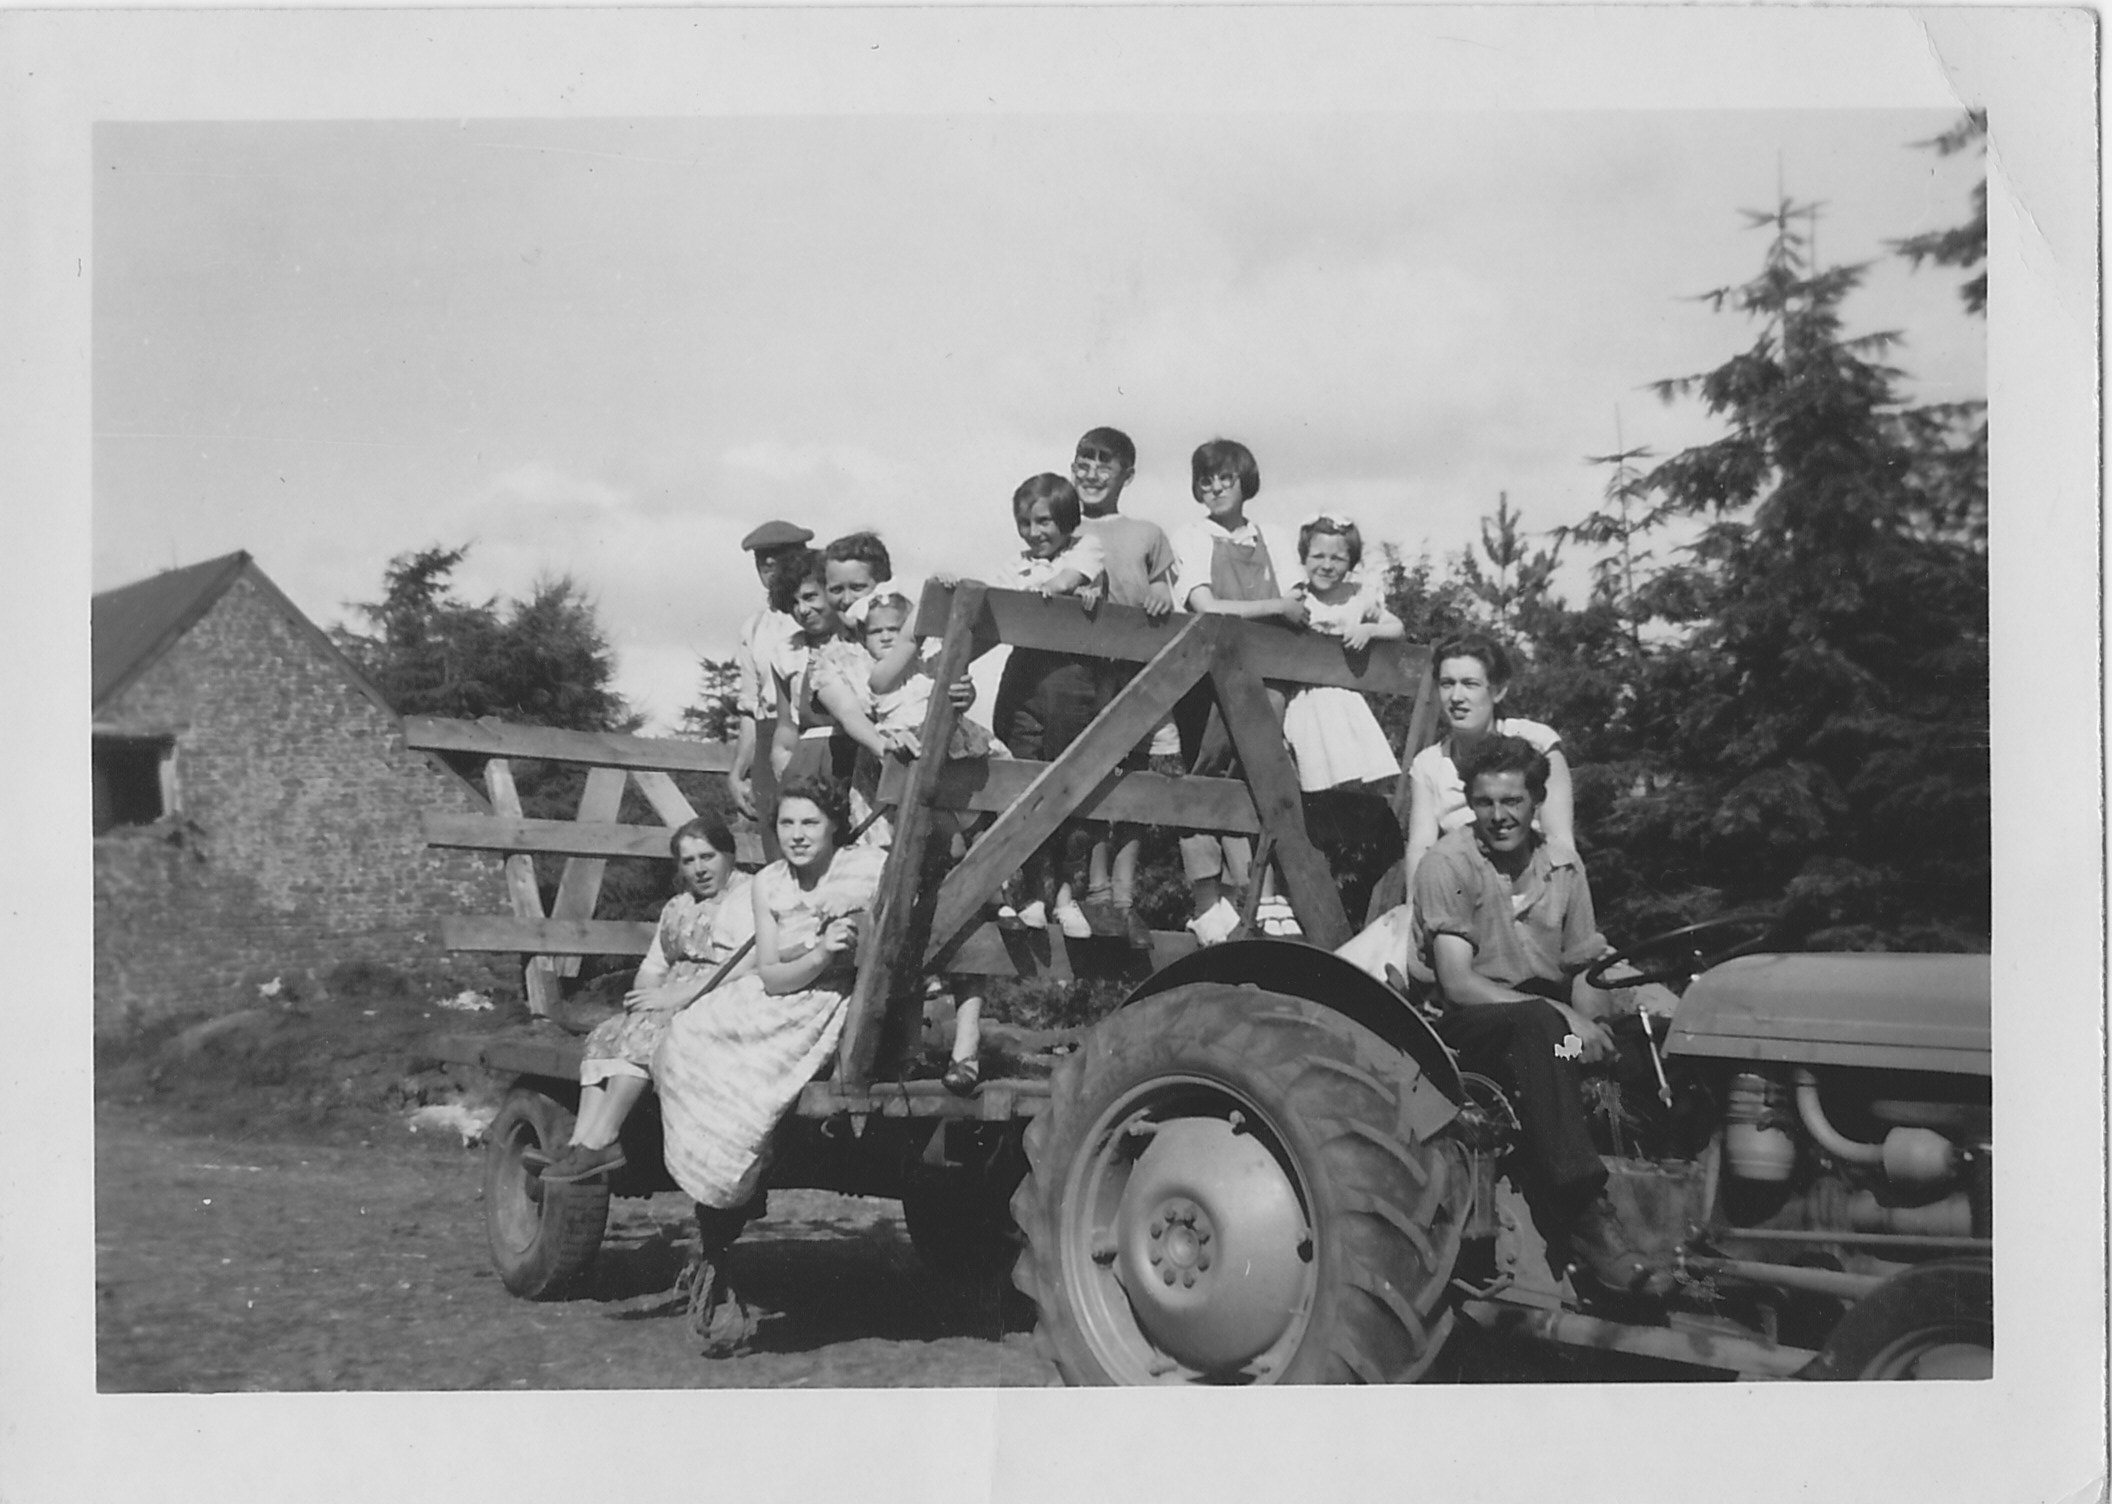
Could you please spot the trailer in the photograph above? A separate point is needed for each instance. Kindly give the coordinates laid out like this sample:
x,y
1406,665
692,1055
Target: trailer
x,y
1265,1165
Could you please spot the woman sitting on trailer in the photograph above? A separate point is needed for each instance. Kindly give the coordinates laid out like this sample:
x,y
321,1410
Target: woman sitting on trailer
x,y
1472,674
705,929
731,1066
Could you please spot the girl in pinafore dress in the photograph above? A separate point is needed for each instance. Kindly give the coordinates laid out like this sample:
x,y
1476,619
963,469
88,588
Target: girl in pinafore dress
x,y
1235,567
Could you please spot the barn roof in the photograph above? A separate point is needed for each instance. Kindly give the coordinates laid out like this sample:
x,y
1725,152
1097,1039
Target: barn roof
x,y
135,624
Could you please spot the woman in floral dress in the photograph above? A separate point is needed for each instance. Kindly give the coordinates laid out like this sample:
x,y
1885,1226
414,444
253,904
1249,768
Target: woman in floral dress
x,y
700,930
731,1066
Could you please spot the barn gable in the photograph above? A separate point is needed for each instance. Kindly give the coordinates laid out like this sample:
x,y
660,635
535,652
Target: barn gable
x,y
258,815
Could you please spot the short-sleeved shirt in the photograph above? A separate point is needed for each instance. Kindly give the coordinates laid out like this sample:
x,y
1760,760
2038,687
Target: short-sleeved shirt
x,y
1084,555
1434,777
763,638
1539,924
1194,544
1137,553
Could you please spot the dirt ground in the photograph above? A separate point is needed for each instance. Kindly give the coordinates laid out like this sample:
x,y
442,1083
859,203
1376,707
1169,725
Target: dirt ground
x,y
232,1262
266,1220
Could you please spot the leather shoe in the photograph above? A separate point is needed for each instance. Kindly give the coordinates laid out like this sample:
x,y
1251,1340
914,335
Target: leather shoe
x,y
1597,1240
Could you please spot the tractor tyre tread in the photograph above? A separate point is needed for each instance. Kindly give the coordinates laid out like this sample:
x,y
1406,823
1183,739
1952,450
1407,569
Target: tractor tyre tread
x,y
1387,1208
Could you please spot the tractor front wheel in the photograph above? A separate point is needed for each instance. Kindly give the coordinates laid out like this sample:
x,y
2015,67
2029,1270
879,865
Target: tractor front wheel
x,y
1224,1190
1933,1321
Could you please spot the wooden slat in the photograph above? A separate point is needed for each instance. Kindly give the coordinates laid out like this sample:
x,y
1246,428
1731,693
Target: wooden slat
x,y
539,979
547,937
670,805
543,1053
1421,732
544,837
608,749
895,908
988,951
1218,804
1272,649
1048,801
668,801
579,885
1270,774
557,1057
564,838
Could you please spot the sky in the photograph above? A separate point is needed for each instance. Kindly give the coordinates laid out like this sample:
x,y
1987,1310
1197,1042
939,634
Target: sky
x,y
610,347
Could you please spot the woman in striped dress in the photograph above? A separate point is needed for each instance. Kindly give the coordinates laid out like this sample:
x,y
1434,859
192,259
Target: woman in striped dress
x,y
732,1064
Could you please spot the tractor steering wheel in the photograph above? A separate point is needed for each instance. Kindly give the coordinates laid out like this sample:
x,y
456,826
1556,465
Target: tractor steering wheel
x,y
1689,957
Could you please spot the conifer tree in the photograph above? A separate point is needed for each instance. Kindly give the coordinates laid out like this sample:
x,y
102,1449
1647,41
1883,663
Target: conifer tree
x,y
1826,673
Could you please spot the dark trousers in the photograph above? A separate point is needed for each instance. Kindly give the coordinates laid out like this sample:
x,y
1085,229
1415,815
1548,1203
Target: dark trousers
x,y
1514,1044
1044,703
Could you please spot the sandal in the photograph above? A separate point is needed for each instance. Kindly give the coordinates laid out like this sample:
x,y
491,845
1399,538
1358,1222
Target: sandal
x,y
962,1077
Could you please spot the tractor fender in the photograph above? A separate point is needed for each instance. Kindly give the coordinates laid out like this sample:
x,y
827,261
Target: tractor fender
x,y
1306,971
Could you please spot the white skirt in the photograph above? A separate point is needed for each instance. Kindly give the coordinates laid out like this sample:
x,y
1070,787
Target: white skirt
x,y
1335,739
729,1068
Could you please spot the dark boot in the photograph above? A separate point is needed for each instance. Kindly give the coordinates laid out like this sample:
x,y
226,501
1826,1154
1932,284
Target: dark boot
x,y
1600,1244
719,1319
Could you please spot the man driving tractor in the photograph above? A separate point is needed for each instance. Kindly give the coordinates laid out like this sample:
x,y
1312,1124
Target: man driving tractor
x,y
1504,927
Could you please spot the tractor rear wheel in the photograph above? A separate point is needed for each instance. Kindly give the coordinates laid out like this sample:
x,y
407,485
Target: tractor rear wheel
x,y
1223,1190
543,1237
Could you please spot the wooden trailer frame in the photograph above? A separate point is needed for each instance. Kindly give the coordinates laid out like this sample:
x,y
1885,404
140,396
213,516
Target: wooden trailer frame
x,y
940,927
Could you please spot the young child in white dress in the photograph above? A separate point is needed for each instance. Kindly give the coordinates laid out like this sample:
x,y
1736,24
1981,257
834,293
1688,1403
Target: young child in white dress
x,y
1334,737
898,713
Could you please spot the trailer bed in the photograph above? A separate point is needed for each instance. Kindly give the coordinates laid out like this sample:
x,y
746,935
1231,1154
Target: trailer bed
x,y
544,1051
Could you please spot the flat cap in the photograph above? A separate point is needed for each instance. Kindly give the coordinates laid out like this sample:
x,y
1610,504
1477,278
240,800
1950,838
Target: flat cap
x,y
777,535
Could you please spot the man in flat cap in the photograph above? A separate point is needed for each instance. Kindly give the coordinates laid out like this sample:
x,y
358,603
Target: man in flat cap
x,y
755,697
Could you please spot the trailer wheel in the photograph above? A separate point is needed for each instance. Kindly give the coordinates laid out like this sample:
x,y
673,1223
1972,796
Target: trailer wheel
x,y
1222,1190
1933,1321
543,1238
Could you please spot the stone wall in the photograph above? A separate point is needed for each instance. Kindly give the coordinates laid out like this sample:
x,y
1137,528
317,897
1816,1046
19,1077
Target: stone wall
x,y
295,843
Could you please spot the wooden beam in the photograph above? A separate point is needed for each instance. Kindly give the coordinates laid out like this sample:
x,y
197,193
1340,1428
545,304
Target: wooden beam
x,y
579,885
1270,649
985,950
547,937
668,801
608,749
671,805
565,838
1061,785
1135,797
1421,732
894,911
999,1101
544,837
1258,736
517,1051
539,980
935,615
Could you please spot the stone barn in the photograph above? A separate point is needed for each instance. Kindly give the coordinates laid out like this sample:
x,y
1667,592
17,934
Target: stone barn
x,y
256,813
